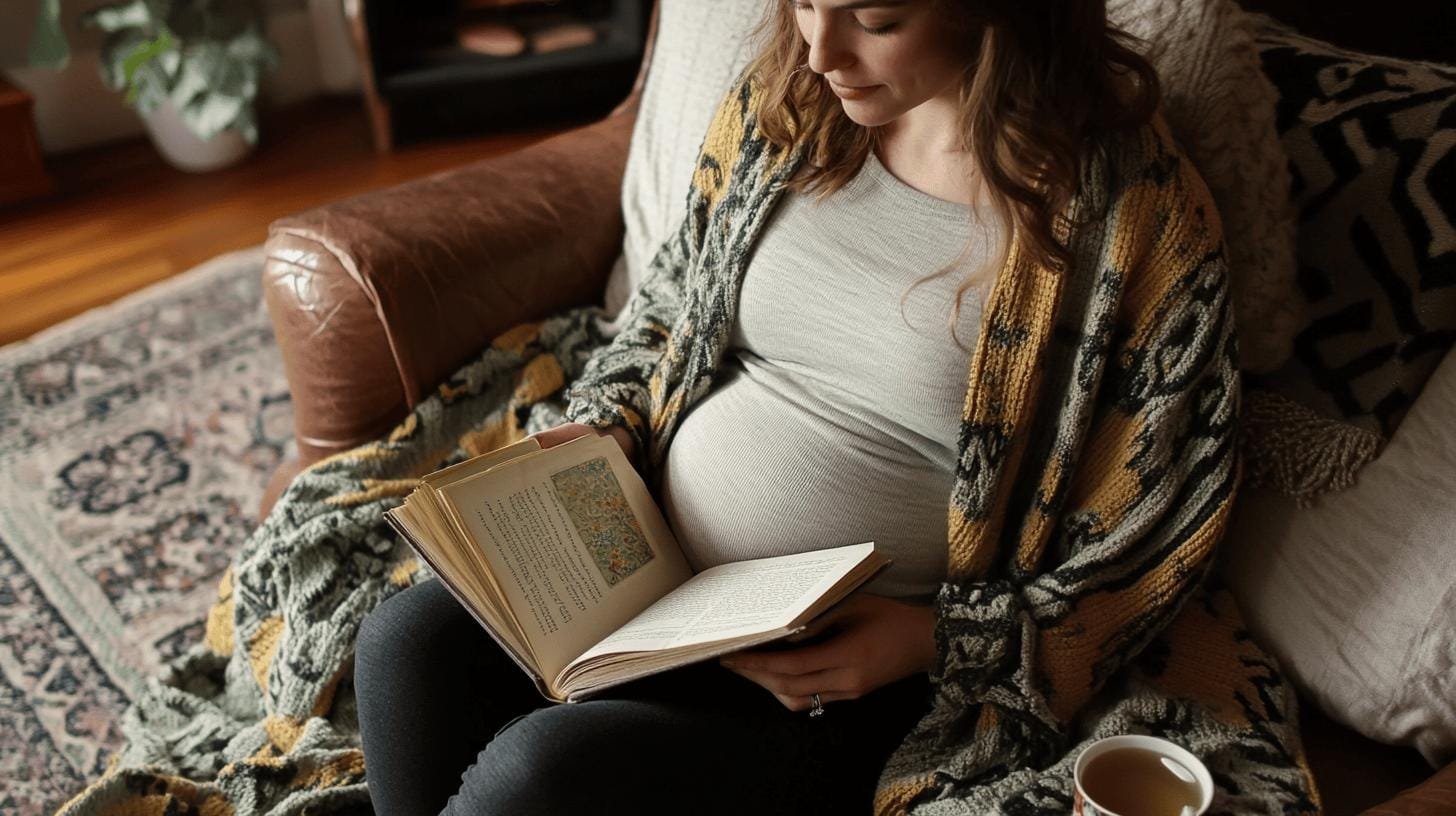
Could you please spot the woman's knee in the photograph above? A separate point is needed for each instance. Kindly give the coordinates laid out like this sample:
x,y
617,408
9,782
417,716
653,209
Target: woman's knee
x,y
560,759
407,629
513,774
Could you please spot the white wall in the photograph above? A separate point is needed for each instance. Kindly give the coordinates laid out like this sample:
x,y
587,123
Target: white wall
x,y
73,109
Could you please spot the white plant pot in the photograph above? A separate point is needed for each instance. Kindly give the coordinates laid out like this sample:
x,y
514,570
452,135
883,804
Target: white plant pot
x,y
184,151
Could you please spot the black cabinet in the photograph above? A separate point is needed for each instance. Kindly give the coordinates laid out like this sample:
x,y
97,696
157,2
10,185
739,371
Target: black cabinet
x,y
427,75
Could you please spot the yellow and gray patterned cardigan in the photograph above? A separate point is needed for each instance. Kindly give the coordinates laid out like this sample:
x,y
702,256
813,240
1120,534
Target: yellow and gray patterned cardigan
x,y
1097,466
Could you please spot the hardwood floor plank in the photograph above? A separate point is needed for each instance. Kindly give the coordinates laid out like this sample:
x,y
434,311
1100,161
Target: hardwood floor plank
x,y
38,310
121,218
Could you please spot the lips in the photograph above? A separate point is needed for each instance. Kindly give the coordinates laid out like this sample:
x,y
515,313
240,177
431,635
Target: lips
x,y
848,92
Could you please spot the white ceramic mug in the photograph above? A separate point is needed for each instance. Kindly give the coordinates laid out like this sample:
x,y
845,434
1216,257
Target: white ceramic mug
x,y
1182,762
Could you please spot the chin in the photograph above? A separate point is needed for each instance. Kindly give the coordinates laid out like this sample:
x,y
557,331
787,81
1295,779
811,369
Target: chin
x,y
865,116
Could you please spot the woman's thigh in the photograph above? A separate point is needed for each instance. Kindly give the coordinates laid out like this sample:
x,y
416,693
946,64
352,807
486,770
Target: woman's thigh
x,y
431,688
698,739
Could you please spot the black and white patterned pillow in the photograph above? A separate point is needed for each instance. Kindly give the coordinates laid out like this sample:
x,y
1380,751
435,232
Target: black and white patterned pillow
x,y
1372,149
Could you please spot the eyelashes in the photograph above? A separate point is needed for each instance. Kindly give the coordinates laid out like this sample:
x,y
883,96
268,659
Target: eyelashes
x,y
878,31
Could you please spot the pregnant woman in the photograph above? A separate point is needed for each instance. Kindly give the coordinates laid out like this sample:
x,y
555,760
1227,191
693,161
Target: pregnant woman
x,y
944,283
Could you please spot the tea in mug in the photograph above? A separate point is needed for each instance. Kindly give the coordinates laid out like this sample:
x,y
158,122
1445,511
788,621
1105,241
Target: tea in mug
x,y
1139,782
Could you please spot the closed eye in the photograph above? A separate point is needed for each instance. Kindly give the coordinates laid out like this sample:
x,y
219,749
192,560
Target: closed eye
x,y
876,30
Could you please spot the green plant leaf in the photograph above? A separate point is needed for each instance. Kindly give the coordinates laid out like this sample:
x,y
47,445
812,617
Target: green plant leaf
x,y
251,46
144,55
170,61
202,72
212,113
121,16
203,55
231,79
48,46
247,124
113,54
148,88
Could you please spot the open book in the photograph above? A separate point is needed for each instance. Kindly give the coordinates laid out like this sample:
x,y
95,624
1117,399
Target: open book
x,y
565,559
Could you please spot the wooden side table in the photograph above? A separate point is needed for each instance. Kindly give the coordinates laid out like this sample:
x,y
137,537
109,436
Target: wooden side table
x,y
22,169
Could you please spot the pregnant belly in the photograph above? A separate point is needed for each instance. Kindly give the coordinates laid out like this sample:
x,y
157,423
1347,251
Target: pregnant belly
x,y
761,468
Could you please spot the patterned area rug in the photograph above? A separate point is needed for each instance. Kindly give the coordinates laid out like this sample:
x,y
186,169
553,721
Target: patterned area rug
x,y
135,442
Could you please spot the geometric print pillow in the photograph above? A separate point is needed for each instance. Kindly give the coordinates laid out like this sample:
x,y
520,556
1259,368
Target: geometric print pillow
x,y
1371,143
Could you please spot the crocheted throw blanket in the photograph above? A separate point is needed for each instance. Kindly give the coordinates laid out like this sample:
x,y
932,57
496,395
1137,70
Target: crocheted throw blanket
x,y
1096,467
259,718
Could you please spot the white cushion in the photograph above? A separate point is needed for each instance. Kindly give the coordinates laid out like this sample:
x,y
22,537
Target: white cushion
x,y
1356,595
1218,103
701,46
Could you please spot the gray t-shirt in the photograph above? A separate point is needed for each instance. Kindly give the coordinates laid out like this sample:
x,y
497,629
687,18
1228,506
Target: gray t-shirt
x,y
834,422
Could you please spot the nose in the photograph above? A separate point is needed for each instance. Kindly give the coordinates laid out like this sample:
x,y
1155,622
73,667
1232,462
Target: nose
x,y
825,51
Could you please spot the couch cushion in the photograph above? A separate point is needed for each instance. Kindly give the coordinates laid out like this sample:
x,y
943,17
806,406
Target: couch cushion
x,y
1217,101
1356,594
1221,107
1372,147
699,48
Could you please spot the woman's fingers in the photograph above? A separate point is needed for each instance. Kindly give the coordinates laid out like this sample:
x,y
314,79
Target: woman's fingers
x,y
839,650
624,439
806,703
568,431
841,683
552,437
819,624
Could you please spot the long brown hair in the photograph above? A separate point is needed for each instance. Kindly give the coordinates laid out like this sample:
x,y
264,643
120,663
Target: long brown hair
x,y
1045,81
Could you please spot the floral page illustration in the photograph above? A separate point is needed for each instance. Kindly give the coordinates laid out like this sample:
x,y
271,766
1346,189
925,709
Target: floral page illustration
x,y
598,509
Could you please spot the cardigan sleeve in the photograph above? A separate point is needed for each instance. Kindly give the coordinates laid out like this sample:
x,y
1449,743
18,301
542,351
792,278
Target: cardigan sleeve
x,y
614,388
616,385
1150,488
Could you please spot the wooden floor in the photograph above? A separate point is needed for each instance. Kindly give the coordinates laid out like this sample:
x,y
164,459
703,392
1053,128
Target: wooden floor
x,y
121,218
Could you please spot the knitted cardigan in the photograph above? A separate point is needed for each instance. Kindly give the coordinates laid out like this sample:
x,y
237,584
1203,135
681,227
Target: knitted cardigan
x,y
1096,470
1097,464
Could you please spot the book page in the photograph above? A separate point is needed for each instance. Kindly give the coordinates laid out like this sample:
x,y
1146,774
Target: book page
x,y
462,585
479,464
451,567
574,540
733,600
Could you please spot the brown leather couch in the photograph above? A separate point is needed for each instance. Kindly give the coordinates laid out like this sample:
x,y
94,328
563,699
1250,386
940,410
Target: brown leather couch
x,y
377,298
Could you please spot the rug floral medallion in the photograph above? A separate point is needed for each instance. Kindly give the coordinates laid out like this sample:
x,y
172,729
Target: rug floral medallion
x,y
135,442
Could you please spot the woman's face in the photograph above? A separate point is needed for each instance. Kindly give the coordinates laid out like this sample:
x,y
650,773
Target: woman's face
x,y
881,57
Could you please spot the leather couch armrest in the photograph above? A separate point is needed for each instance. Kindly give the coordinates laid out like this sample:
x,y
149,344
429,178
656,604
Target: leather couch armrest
x,y
1434,797
377,298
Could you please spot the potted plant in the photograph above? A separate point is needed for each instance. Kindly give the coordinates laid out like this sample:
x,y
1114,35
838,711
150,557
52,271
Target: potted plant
x,y
191,69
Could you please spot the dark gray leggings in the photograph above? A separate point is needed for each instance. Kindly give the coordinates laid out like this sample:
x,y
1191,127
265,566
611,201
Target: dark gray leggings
x,y
449,722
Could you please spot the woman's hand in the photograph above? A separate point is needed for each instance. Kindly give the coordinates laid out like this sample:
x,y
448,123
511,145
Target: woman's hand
x,y
571,430
874,641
